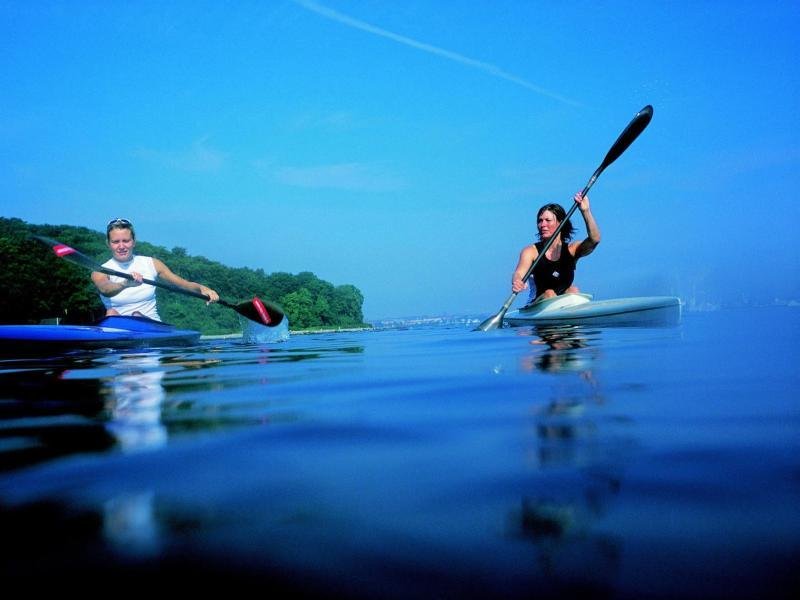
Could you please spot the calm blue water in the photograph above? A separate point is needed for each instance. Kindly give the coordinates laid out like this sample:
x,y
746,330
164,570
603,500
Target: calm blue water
x,y
437,462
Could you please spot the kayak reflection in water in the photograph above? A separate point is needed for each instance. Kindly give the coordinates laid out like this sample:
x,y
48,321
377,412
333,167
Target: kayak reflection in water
x,y
123,296
555,272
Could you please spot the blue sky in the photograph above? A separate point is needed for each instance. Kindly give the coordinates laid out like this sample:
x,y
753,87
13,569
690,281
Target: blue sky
x,y
404,147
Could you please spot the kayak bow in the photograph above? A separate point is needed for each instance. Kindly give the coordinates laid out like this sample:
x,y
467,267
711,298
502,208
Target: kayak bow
x,y
111,332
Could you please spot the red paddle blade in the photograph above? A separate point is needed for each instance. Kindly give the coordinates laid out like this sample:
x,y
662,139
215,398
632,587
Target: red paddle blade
x,y
63,250
69,253
258,311
261,310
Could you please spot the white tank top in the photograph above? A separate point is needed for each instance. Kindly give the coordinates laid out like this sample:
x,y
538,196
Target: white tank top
x,y
140,298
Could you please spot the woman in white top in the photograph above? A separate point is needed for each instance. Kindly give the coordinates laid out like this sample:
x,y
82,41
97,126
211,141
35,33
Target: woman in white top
x,y
130,296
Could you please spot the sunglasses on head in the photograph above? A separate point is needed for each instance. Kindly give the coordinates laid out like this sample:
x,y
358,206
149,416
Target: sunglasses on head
x,y
118,223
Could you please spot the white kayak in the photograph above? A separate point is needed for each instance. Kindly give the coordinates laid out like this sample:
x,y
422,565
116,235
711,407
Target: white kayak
x,y
581,309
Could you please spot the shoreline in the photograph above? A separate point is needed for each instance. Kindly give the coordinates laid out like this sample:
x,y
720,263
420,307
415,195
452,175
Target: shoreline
x,y
233,336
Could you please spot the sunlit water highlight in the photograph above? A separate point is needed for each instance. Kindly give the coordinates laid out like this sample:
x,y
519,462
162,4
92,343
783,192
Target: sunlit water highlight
x,y
434,462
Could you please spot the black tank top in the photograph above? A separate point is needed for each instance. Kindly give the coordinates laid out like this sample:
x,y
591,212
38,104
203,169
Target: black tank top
x,y
554,275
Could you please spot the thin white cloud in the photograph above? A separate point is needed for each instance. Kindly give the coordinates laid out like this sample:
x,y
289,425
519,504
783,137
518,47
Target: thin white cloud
x,y
489,68
352,177
199,157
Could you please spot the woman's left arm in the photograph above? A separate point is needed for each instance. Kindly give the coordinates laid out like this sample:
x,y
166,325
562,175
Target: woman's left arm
x,y
164,272
588,245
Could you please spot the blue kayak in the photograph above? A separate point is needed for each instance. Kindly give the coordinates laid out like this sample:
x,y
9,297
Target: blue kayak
x,y
111,332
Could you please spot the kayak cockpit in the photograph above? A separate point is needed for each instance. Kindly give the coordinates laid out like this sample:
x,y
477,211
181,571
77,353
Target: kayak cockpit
x,y
556,303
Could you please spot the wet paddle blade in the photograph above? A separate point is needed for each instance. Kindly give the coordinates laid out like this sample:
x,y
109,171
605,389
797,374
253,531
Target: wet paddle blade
x,y
494,322
260,311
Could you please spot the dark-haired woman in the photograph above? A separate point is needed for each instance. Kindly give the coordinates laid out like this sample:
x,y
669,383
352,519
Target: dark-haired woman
x,y
130,296
555,272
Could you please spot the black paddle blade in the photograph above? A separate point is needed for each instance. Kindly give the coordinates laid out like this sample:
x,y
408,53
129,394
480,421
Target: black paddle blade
x,y
260,311
630,133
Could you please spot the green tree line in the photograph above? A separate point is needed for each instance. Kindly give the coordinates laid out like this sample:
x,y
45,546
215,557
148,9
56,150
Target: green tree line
x,y
35,284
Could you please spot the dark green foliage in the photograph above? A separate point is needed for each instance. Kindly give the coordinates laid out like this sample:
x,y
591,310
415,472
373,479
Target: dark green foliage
x,y
36,285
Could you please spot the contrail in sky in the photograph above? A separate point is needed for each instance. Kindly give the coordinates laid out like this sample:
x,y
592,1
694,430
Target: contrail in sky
x,y
489,68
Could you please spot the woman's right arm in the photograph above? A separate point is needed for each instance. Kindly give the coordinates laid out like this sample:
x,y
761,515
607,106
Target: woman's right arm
x,y
110,288
526,258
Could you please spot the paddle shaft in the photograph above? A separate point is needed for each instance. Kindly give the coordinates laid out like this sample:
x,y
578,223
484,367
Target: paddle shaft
x,y
254,310
625,139
162,284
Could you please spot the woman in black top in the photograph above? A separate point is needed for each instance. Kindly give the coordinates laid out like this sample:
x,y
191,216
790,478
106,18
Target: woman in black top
x,y
555,272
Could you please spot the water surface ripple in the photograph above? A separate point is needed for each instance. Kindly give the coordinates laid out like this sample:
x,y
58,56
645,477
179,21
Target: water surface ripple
x,y
431,462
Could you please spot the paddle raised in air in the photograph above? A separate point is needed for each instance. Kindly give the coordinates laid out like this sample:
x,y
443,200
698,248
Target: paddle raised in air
x,y
625,139
256,310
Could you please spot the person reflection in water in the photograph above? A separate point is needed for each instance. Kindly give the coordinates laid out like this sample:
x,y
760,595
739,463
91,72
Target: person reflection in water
x,y
562,353
134,403
135,398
